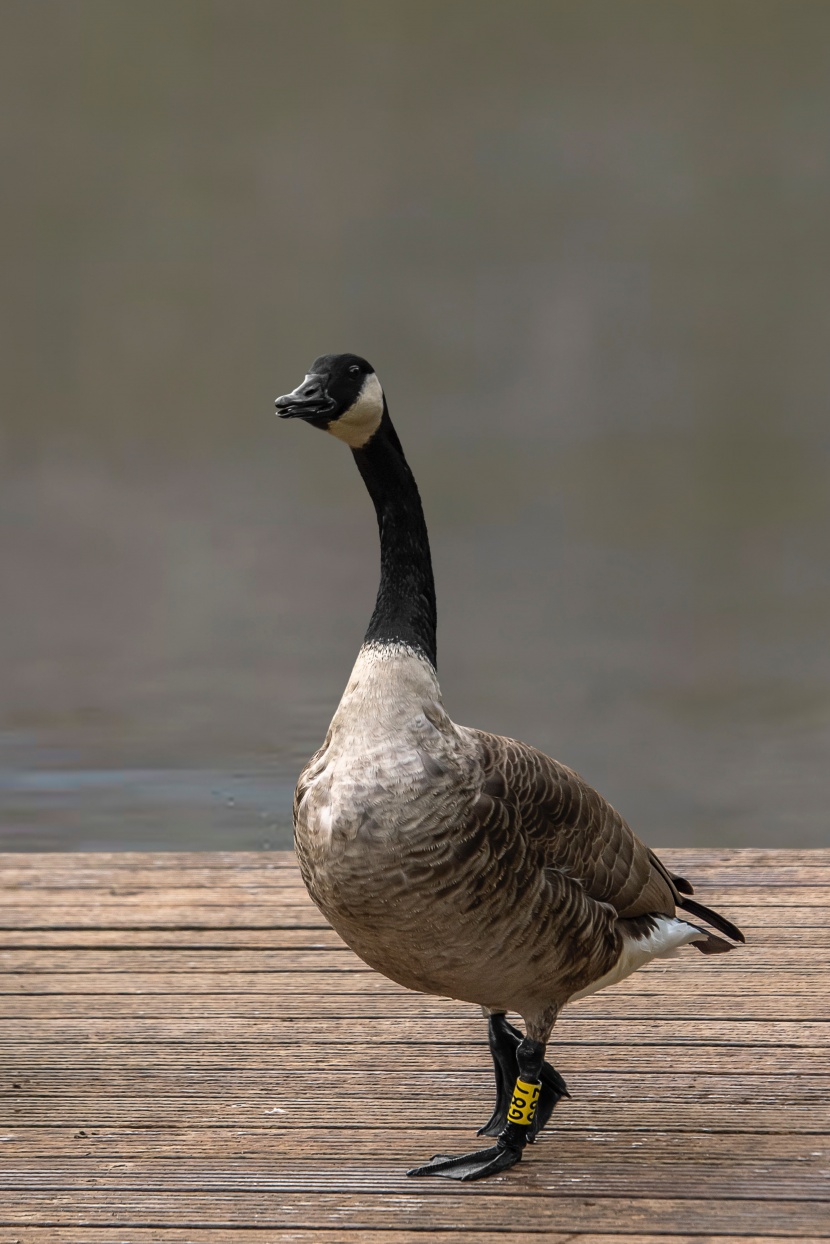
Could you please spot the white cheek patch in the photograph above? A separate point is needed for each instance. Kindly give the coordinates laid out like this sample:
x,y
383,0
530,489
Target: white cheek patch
x,y
360,422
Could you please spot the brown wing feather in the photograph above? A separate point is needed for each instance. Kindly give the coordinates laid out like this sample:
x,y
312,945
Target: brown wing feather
x,y
573,830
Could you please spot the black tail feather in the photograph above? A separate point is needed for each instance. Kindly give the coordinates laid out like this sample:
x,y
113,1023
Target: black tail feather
x,y
712,917
712,944
681,884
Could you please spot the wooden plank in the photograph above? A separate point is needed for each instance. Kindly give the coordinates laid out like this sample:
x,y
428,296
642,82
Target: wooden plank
x,y
441,1205
422,1049
180,916
638,1030
686,974
239,914
631,1145
716,1111
186,1109
339,958
677,858
151,962
308,938
46,972
462,1076
812,1001
21,1060
543,1173
127,861
702,975
264,876
337,1235
162,895
201,940
127,896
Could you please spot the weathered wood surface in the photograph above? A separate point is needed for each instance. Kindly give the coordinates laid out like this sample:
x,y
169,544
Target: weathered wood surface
x,y
190,1056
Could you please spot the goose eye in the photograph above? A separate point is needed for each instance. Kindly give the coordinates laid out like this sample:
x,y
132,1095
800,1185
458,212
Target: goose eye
x,y
354,369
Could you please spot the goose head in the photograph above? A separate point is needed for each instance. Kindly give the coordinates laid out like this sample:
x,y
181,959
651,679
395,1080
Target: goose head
x,y
341,394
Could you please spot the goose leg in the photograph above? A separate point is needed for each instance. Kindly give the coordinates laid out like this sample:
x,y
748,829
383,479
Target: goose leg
x,y
504,1041
503,1052
511,1140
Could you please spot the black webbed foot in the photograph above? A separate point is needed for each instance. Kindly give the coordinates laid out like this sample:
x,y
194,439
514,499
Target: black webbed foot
x,y
504,1042
521,1111
470,1166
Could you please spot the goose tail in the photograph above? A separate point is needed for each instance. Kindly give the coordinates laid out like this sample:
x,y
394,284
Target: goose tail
x,y
712,917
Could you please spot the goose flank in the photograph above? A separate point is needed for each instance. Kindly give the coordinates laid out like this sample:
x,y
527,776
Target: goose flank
x,y
453,861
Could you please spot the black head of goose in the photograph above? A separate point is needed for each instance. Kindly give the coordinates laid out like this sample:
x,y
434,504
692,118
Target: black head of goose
x,y
457,862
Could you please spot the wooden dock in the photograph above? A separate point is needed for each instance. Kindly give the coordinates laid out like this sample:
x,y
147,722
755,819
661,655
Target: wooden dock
x,y
190,1054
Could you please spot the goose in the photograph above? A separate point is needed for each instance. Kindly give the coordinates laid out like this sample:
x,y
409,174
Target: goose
x,y
456,862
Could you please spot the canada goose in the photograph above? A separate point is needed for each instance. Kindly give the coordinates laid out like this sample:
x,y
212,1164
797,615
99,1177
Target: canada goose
x,y
456,862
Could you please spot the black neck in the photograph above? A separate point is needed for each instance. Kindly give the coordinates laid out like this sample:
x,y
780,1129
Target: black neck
x,y
405,607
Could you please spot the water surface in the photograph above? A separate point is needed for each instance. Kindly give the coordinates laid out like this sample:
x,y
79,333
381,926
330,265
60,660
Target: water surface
x,y
584,244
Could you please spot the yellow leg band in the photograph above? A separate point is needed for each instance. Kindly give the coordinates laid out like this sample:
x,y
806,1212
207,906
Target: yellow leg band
x,y
523,1106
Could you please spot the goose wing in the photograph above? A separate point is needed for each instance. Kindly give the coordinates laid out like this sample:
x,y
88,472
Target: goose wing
x,y
550,811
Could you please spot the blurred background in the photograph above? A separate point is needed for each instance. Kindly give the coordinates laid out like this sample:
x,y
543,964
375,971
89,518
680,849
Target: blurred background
x,y
586,247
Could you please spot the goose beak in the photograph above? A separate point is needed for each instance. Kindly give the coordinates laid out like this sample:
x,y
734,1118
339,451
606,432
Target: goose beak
x,y
308,401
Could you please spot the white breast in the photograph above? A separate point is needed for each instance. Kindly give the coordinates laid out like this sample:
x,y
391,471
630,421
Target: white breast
x,y
389,745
